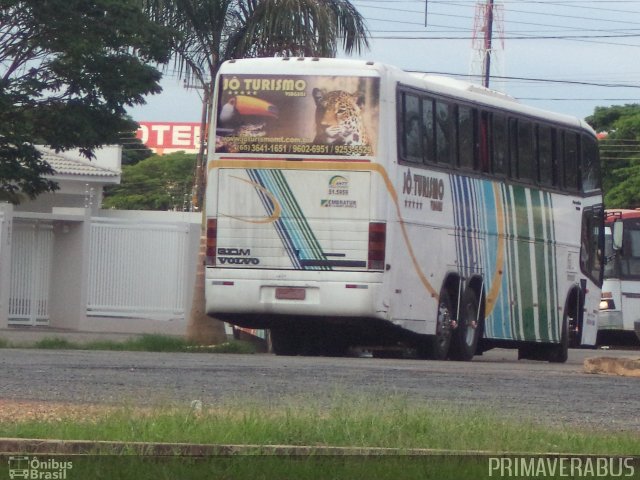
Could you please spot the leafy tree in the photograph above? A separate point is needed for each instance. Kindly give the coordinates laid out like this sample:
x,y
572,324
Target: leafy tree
x,y
160,182
210,32
133,150
68,68
620,153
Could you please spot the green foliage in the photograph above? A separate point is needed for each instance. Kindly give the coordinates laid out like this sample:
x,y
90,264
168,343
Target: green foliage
x,y
142,343
68,69
234,346
55,343
625,192
212,31
133,151
620,153
160,182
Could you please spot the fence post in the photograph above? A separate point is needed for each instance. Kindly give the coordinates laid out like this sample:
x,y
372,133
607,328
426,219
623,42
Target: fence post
x,y
6,223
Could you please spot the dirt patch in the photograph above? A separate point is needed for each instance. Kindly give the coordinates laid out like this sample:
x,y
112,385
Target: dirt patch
x,y
21,411
627,367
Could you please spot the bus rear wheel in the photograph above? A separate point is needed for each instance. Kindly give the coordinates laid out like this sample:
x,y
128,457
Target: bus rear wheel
x,y
464,340
559,353
437,346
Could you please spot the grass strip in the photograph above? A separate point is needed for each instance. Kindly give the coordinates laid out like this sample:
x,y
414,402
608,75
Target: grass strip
x,y
341,419
385,421
143,343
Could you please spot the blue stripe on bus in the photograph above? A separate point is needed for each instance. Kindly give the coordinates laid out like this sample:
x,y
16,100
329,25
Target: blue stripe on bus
x,y
293,228
287,241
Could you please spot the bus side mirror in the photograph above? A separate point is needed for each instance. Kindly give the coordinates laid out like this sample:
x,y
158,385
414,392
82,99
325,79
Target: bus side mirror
x,y
618,229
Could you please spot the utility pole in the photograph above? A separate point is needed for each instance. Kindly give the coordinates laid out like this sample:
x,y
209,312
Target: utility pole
x,y
488,37
199,184
488,21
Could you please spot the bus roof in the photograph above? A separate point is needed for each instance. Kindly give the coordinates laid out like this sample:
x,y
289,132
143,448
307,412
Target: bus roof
x,y
437,83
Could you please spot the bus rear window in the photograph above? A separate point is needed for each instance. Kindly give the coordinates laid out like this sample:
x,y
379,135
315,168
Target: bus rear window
x,y
297,115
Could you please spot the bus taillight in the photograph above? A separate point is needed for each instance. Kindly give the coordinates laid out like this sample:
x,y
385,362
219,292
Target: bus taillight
x,y
377,244
212,240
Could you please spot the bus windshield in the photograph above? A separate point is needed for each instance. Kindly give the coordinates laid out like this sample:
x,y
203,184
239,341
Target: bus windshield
x,y
610,270
625,263
297,114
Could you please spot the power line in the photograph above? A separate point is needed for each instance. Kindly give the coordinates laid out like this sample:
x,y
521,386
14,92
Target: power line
x,y
528,37
540,80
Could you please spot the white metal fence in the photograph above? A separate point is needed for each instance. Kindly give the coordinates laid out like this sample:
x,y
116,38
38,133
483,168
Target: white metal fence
x,y
137,268
31,251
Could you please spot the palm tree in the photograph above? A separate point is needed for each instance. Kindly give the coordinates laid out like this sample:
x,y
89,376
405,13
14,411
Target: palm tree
x,y
209,32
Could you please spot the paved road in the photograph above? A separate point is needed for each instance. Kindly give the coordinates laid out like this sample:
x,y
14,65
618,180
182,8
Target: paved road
x,y
546,392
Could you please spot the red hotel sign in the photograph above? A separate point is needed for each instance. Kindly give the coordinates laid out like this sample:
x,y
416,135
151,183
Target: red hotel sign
x,y
166,137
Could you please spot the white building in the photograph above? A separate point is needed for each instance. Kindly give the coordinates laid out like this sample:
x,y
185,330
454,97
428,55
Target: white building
x,y
67,264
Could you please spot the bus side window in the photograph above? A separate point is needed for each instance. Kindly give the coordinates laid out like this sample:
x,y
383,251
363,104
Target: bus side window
x,y
500,143
466,137
526,157
558,156
483,141
571,173
412,149
429,127
444,133
590,165
545,156
513,148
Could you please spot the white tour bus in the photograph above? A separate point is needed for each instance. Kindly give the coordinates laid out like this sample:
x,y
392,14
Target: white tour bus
x,y
620,304
351,203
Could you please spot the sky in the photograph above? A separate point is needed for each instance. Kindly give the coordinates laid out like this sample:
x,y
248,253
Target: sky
x,y
568,56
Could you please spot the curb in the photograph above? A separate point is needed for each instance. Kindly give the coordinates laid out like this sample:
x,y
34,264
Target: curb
x,y
84,447
32,446
625,367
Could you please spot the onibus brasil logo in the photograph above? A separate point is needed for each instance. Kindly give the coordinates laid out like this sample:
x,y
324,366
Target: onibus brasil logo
x,y
38,469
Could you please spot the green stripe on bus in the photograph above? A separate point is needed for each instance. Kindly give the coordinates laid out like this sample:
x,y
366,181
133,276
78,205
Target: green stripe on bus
x,y
542,273
552,266
525,263
514,294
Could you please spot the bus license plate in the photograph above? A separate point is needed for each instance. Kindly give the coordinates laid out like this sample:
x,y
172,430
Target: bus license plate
x,y
288,293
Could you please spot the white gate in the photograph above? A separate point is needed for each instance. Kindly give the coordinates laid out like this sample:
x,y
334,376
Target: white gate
x,y
137,269
31,250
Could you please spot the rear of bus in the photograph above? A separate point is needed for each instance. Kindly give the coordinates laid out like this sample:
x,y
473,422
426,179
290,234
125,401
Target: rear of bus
x,y
295,231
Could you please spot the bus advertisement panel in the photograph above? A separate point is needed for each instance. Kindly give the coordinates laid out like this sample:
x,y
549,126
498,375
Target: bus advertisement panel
x,y
297,114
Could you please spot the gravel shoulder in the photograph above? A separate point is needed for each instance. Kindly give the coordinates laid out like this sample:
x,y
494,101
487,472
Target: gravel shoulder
x,y
52,384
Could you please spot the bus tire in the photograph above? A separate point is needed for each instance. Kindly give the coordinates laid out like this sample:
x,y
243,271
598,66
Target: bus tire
x,y
559,353
284,341
464,340
437,346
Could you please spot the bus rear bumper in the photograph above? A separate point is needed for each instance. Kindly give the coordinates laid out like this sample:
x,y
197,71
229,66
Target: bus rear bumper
x,y
610,320
253,298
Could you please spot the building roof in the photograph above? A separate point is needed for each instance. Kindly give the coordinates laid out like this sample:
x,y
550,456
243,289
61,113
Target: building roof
x,y
67,165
